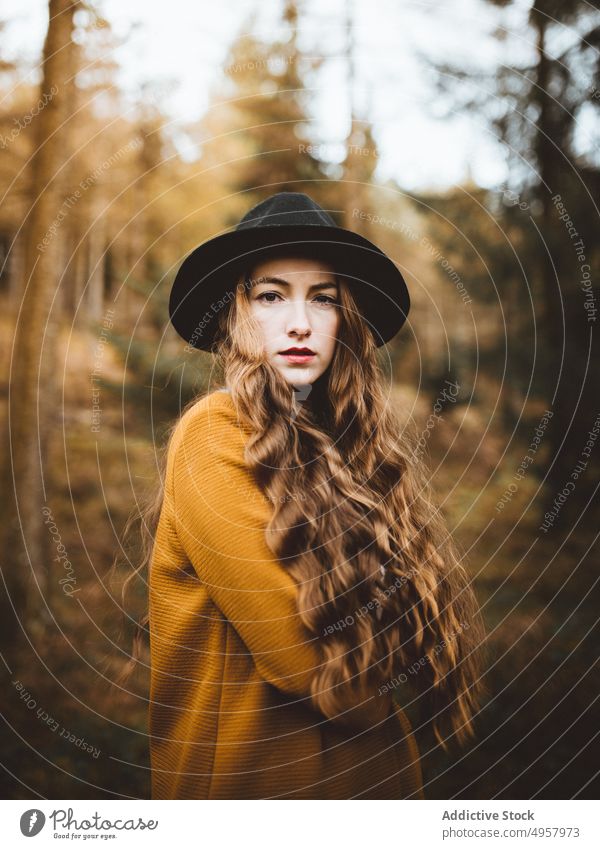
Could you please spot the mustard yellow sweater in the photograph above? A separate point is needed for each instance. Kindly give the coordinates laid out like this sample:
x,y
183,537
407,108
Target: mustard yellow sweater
x,y
231,662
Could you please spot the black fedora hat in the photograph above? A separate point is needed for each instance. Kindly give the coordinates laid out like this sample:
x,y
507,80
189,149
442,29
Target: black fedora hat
x,y
292,219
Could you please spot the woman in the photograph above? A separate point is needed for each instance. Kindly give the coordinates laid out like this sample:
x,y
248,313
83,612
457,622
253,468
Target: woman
x,y
299,570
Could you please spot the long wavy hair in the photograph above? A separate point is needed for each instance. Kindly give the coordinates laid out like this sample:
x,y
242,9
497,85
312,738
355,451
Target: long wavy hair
x,y
380,580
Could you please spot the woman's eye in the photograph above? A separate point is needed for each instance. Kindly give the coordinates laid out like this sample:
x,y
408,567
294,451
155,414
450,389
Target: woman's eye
x,y
265,297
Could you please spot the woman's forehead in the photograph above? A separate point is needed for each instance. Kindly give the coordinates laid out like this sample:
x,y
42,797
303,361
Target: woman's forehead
x,y
293,267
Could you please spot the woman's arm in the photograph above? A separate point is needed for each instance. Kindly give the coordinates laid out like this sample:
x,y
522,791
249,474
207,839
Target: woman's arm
x,y
220,516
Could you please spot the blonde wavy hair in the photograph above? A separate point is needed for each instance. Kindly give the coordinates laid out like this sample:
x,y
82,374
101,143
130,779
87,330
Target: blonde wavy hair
x,y
379,578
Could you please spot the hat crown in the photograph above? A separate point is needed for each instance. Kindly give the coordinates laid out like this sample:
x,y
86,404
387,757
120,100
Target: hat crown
x,y
286,209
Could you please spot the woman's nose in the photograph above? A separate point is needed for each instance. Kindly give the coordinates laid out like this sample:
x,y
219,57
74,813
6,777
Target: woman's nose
x,y
297,318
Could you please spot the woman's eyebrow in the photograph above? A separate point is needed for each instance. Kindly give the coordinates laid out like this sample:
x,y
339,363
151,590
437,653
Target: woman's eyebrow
x,y
279,281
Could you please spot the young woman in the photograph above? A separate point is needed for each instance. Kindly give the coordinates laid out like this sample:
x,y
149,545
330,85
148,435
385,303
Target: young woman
x,y
300,577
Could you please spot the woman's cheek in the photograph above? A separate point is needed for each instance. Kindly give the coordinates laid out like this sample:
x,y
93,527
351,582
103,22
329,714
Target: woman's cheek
x,y
334,326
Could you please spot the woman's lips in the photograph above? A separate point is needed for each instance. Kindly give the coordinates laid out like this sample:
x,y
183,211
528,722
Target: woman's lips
x,y
297,357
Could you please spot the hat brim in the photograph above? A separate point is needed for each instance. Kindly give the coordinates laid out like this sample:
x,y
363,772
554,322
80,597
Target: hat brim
x,y
212,269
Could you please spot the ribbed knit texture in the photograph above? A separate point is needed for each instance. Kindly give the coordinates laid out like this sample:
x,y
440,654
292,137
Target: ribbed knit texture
x,y
231,661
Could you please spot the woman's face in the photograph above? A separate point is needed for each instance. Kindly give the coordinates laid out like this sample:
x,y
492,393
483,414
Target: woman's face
x,y
295,300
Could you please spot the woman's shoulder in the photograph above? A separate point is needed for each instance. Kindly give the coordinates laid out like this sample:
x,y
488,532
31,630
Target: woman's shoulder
x,y
206,434
218,405
214,412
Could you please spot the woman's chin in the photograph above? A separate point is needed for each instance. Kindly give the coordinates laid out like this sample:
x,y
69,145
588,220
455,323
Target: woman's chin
x,y
300,375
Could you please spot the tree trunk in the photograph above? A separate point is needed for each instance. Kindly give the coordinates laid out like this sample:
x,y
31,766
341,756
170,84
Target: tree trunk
x,y
570,345
26,541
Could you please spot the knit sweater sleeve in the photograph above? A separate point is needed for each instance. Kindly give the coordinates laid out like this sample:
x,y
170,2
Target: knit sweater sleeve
x,y
220,515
